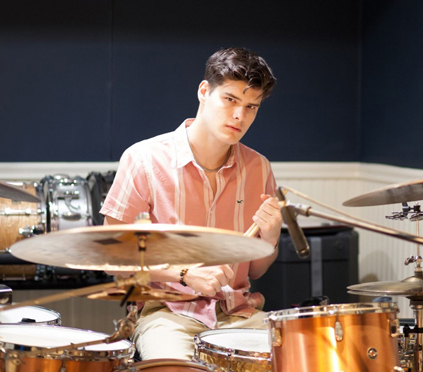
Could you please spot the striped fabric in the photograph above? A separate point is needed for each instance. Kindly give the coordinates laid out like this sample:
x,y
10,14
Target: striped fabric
x,y
160,176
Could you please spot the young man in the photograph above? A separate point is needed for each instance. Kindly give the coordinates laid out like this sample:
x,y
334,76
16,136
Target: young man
x,y
201,175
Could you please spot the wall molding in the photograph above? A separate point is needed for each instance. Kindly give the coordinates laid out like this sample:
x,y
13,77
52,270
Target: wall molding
x,y
283,170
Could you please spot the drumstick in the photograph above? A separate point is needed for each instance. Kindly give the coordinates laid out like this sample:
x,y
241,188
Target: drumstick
x,y
254,229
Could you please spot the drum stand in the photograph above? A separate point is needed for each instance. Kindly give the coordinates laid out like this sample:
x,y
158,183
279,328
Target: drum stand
x,y
413,354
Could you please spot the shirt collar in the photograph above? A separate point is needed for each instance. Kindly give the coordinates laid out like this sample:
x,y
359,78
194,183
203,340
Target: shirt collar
x,y
185,155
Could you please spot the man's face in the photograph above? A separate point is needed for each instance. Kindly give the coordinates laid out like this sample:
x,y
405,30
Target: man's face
x,y
230,109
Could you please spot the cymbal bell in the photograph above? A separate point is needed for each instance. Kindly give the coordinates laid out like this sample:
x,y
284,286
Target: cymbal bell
x,y
399,193
412,286
141,294
116,247
9,191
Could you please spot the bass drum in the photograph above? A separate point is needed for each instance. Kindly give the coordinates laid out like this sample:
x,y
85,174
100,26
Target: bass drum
x,y
21,220
99,185
69,202
168,365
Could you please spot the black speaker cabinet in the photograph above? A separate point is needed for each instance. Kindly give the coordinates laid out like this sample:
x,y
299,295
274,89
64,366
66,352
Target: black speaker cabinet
x,y
331,267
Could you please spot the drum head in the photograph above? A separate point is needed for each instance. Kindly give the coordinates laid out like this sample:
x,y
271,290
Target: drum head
x,y
30,314
44,336
248,340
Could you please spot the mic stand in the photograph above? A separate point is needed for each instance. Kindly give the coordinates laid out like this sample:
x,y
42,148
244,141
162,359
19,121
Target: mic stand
x,y
307,211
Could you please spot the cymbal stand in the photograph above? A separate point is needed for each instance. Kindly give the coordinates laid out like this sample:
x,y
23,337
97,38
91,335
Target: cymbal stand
x,y
416,303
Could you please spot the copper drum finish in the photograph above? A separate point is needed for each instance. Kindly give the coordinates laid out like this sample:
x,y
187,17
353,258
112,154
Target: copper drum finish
x,y
234,350
167,365
20,219
359,337
33,348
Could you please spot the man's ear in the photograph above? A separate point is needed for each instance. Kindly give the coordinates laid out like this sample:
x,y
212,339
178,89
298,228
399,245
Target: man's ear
x,y
203,91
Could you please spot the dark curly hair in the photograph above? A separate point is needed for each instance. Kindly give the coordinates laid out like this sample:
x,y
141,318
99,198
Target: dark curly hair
x,y
240,64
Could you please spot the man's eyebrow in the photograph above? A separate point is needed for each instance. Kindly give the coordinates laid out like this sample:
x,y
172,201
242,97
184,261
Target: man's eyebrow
x,y
235,97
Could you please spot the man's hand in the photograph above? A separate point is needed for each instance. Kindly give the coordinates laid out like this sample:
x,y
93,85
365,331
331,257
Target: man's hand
x,y
208,280
269,219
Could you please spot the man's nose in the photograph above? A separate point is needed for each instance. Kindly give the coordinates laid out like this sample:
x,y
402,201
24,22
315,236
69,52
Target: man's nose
x,y
239,113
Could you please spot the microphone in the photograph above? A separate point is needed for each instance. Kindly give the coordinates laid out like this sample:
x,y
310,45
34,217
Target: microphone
x,y
297,235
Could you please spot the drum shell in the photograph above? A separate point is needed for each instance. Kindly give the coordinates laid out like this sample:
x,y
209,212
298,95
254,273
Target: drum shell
x,y
308,343
69,202
234,357
16,215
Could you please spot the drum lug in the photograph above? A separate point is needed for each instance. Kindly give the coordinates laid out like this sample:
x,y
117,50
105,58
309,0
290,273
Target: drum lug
x,y
372,353
339,332
29,231
276,335
394,327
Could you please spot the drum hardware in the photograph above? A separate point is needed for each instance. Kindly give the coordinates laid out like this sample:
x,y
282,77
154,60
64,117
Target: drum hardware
x,y
5,294
9,191
406,210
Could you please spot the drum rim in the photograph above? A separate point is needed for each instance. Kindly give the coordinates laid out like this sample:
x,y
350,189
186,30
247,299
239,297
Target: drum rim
x,y
9,347
333,310
56,321
217,350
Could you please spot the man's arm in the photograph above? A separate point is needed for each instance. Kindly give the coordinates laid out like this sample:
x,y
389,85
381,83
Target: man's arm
x,y
206,280
269,219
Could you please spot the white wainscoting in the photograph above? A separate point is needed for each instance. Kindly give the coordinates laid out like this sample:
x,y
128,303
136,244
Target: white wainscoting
x,y
381,258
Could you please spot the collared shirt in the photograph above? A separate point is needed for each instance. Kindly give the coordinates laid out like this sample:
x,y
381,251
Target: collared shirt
x,y
161,177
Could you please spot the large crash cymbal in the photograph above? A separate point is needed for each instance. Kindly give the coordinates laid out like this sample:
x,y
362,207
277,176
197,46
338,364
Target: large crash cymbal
x,y
141,294
399,193
412,286
9,191
116,247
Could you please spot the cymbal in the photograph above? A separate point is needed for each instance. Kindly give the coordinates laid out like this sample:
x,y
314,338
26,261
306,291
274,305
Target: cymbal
x,y
411,286
399,193
9,191
141,294
115,247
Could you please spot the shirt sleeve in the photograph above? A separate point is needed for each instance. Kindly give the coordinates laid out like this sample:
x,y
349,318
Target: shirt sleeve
x,y
129,193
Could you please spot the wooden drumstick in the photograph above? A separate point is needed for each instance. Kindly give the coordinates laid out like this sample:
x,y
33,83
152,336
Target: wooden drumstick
x,y
254,229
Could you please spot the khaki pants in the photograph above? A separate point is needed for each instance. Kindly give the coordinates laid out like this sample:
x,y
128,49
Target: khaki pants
x,y
161,334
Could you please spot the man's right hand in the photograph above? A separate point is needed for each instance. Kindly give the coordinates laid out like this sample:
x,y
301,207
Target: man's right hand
x,y
208,280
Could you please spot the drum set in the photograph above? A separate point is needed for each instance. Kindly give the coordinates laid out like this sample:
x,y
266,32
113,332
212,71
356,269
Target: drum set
x,y
355,337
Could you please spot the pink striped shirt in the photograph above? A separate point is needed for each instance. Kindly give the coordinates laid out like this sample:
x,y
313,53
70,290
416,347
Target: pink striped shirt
x,y
160,176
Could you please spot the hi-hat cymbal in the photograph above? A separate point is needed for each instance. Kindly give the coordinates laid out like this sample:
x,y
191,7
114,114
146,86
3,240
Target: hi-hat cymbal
x,y
412,286
9,191
116,247
141,294
399,193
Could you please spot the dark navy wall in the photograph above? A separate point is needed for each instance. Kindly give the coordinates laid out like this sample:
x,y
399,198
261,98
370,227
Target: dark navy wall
x,y
83,80
392,83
